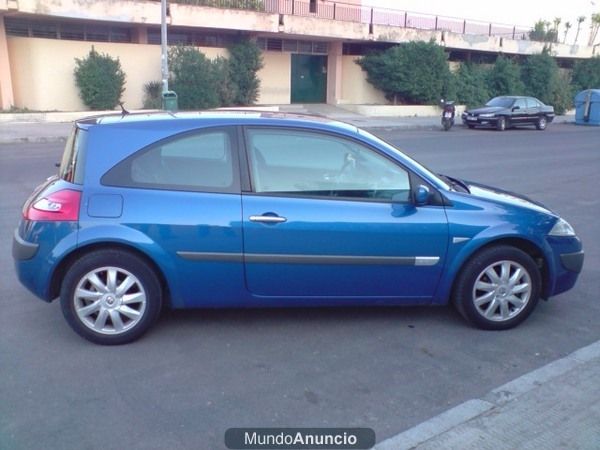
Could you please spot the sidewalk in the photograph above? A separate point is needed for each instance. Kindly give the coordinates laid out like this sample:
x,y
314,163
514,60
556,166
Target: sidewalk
x,y
554,407
55,127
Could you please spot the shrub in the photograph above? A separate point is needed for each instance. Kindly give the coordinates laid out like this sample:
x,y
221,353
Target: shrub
x,y
245,60
504,78
538,73
225,87
561,93
470,82
100,80
586,74
193,77
153,95
415,72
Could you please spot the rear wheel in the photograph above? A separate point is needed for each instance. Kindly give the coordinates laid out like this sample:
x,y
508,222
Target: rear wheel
x,y
541,123
498,288
471,126
110,297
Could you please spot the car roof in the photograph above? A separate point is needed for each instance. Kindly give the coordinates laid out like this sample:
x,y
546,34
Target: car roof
x,y
214,118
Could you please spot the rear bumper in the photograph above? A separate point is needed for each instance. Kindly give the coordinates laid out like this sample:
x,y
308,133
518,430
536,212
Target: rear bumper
x,y
21,249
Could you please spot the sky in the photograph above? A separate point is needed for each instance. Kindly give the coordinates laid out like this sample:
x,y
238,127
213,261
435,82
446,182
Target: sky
x,y
511,12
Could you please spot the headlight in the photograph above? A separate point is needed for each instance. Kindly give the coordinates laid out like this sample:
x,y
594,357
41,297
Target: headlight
x,y
562,228
487,116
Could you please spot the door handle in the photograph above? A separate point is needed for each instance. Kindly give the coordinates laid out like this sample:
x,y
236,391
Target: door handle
x,y
268,219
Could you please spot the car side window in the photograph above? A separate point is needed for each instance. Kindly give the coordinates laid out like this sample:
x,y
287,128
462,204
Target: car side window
x,y
202,161
533,103
520,102
302,163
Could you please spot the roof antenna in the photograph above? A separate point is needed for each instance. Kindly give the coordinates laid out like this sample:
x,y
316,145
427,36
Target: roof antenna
x,y
124,112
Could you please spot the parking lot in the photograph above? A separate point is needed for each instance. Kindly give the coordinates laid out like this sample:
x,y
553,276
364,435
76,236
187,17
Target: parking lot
x,y
199,373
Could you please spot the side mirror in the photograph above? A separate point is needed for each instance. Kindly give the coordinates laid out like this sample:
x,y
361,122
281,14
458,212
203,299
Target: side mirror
x,y
421,195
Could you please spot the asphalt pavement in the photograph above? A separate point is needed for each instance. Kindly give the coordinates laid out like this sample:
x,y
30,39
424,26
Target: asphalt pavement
x,y
420,377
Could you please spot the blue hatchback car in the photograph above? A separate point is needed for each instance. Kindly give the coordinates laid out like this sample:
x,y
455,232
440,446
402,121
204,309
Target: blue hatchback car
x,y
250,209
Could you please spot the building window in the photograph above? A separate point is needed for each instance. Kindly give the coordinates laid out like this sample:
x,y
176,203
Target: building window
x,y
312,6
293,46
67,30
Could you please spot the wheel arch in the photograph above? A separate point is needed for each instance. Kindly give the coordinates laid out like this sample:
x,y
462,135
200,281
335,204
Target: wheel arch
x,y
526,246
68,260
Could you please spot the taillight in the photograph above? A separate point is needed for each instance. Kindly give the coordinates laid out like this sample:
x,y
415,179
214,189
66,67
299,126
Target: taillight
x,y
58,206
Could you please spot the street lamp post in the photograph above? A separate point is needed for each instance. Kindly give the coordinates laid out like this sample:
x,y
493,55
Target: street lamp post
x,y
163,46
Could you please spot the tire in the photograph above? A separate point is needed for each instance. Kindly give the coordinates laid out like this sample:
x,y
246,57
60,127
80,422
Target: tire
x,y
497,288
110,297
471,126
446,124
501,124
541,123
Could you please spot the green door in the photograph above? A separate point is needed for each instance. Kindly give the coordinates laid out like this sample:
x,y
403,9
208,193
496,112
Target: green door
x,y
309,78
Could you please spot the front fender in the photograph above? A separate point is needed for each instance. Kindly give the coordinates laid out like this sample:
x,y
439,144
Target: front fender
x,y
460,252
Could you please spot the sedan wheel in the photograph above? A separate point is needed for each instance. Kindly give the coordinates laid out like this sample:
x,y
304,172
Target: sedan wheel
x,y
110,297
498,288
541,123
501,124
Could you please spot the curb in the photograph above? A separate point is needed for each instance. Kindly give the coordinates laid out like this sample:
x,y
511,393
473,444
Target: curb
x,y
34,140
493,400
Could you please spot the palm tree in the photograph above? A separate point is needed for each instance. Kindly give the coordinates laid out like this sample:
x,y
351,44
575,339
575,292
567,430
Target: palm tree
x,y
556,23
594,28
580,20
567,28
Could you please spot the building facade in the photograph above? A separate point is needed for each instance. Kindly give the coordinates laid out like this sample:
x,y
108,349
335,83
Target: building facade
x,y
309,47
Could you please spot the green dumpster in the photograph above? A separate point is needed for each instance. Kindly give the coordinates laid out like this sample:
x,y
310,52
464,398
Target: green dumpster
x,y
169,101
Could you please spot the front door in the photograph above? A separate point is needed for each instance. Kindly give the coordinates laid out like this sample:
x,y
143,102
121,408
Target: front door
x,y
309,78
330,217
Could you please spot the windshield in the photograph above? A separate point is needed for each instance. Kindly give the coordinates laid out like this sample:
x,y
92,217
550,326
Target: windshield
x,y
424,170
503,102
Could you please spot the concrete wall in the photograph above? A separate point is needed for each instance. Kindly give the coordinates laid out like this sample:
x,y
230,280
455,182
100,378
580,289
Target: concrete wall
x,y
275,78
355,87
42,71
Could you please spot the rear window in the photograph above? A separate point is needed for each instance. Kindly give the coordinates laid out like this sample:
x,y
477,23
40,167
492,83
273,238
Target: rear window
x,y
197,161
73,159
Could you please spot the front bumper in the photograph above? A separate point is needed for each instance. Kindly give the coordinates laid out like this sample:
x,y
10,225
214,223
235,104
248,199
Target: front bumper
x,y
566,263
477,120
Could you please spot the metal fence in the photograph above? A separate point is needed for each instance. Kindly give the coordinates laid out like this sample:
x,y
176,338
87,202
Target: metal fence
x,y
369,15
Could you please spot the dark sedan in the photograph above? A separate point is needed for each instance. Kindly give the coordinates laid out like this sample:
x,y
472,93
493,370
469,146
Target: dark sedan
x,y
505,112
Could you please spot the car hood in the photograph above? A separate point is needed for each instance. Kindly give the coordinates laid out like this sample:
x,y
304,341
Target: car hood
x,y
486,110
499,195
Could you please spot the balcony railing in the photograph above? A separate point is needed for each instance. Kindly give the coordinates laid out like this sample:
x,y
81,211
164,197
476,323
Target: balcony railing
x,y
368,15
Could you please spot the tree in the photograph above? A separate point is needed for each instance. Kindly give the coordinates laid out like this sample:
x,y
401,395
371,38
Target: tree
x,y
542,79
595,26
567,28
556,22
470,83
504,78
245,61
542,32
415,72
586,74
100,80
580,20
193,77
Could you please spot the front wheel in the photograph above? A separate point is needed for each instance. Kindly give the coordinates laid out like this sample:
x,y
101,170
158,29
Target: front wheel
x,y
446,124
501,124
498,288
110,297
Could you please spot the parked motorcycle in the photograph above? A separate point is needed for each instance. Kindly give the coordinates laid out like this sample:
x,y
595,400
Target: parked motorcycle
x,y
448,113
